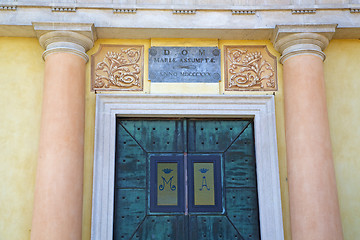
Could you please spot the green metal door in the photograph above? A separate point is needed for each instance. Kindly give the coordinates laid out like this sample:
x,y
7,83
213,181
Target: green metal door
x,y
185,179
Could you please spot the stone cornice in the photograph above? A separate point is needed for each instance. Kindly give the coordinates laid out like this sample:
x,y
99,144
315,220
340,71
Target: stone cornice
x,y
292,40
252,22
65,37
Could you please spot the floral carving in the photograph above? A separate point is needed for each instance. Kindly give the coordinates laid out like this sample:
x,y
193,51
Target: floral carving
x,y
120,68
249,70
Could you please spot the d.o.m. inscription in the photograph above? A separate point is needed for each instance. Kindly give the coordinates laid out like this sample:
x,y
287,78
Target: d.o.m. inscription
x,y
184,64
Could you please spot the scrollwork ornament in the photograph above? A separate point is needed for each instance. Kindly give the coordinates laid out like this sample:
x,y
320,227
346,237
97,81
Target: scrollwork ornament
x,y
249,70
119,69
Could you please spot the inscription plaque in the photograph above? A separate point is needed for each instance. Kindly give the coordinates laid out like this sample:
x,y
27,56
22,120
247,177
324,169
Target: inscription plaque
x,y
184,64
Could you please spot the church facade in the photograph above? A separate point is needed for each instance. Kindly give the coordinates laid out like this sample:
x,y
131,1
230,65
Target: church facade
x,y
179,119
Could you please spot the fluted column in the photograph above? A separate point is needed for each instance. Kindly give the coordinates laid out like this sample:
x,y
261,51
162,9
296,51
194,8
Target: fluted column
x,y
57,213
314,208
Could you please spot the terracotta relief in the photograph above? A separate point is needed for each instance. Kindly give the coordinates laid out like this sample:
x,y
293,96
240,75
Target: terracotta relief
x,y
249,68
118,67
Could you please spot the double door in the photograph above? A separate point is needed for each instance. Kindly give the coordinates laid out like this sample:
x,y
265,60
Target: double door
x,y
185,179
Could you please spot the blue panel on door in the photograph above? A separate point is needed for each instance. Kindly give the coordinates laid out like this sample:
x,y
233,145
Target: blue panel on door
x,y
166,183
205,188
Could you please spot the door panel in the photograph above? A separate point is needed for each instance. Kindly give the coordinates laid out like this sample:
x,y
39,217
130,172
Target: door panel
x,y
130,185
162,228
242,211
212,228
231,140
241,186
213,135
240,168
131,208
157,135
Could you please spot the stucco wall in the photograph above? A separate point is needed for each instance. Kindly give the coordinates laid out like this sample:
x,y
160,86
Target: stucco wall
x,y
21,78
342,75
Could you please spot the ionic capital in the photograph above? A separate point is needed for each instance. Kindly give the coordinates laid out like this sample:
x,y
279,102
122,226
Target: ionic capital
x,y
292,40
65,37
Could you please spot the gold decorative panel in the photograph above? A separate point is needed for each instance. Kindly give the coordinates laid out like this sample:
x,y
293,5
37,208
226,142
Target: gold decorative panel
x,y
118,67
250,68
204,192
167,178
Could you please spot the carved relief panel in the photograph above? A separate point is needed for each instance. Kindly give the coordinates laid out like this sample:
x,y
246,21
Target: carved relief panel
x,y
118,67
249,68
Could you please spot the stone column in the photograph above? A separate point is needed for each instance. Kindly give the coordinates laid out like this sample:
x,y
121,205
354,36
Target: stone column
x,y
58,199
314,208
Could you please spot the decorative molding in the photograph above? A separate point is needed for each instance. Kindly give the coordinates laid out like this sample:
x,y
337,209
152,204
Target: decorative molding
x,y
63,9
65,41
250,68
292,40
123,10
118,67
186,11
303,11
213,22
11,8
260,108
65,37
355,10
243,12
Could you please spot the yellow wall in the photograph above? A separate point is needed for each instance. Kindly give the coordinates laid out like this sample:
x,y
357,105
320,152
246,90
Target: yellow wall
x,y
21,81
21,78
342,76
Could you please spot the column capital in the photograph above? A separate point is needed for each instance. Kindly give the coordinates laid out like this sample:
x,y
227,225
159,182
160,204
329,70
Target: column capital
x,y
75,38
292,40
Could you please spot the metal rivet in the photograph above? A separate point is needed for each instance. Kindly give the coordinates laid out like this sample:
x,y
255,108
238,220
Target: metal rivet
x,y
231,129
123,197
233,197
249,216
153,128
204,235
201,129
137,217
202,142
138,128
137,197
124,160
217,142
220,220
153,142
216,129
168,129
233,179
234,216
122,216
123,179
167,142
124,142
153,220
168,220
